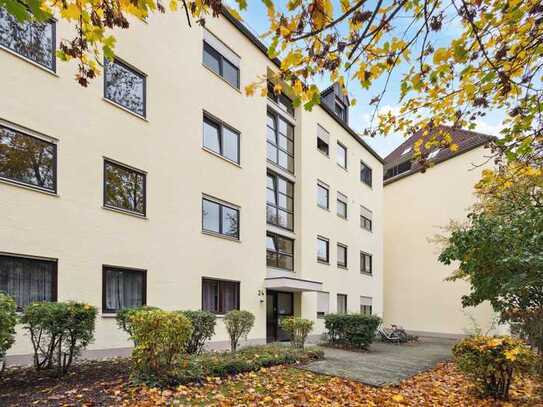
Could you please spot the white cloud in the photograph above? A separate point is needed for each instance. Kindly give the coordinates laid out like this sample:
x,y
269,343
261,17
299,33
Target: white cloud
x,y
492,129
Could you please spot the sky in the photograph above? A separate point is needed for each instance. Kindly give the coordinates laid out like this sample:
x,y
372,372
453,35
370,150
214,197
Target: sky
x,y
256,20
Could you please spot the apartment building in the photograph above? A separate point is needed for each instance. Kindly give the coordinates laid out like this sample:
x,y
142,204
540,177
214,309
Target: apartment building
x,y
161,183
418,207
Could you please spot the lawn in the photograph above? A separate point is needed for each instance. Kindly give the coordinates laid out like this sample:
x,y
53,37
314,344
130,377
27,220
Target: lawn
x,y
106,384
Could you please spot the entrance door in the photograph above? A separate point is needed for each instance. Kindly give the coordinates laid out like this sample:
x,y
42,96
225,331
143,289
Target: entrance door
x,y
278,306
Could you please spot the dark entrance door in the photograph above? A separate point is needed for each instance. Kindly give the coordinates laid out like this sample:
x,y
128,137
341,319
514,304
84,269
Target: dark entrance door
x,y
278,305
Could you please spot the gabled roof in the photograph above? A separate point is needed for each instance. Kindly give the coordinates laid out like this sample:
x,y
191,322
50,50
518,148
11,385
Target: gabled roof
x,y
466,140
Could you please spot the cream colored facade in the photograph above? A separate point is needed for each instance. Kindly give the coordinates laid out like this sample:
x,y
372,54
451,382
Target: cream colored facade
x,y
417,208
74,228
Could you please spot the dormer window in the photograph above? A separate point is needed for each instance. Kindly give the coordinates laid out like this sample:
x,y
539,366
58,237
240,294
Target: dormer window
x,y
341,110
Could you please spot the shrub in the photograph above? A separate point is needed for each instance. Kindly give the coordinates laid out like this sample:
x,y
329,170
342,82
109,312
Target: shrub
x,y
352,330
124,314
8,320
491,362
298,329
59,331
195,368
203,329
238,324
160,338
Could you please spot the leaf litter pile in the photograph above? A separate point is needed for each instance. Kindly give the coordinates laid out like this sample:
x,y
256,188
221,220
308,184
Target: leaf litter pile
x,y
106,384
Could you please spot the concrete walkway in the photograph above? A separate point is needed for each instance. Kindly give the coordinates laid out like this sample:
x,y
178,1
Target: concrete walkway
x,y
384,364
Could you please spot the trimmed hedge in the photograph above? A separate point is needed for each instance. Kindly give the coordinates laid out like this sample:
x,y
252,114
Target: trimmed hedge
x,y
238,324
298,329
160,339
195,368
59,332
203,329
352,330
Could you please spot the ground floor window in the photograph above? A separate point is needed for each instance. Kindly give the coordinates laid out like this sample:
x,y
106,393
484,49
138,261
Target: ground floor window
x,y
123,288
220,296
366,305
342,303
323,304
28,280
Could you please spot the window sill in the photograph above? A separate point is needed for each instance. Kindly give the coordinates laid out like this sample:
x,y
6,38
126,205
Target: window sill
x,y
125,109
222,79
324,209
343,217
342,167
214,234
31,62
326,263
367,230
124,212
109,315
364,273
323,153
221,157
342,267
28,187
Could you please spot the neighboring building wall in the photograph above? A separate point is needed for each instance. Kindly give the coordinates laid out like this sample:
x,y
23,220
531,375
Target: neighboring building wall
x,y
73,227
417,208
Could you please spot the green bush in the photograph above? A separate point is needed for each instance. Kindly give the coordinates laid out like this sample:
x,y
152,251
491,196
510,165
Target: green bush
x,y
122,317
195,368
8,320
492,362
238,324
352,330
160,339
298,329
59,331
203,329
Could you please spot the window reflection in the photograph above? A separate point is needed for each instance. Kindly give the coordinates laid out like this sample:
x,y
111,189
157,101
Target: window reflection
x,y
124,86
124,188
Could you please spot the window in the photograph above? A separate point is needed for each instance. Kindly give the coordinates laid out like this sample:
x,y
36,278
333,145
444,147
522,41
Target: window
x,y
219,296
28,280
341,303
365,306
220,218
221,139
279,252
322,195
323,250
280,146
341,110
323,304
33,40
341,255
341,205
281,99
27,159
342,155
280,202
323,140
124,86
123,288
214,59
398,169
124,188
365,174
366,263
366,218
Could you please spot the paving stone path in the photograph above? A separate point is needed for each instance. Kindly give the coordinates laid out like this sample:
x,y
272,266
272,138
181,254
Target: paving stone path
x,y
384,364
